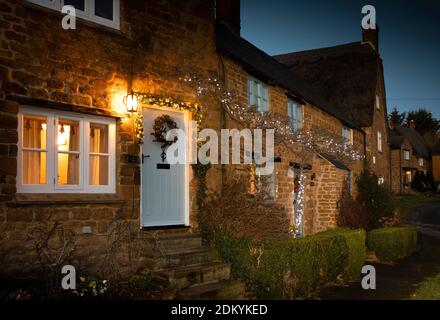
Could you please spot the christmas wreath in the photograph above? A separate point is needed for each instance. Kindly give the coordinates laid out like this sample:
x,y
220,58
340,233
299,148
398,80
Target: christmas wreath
x,y
162,125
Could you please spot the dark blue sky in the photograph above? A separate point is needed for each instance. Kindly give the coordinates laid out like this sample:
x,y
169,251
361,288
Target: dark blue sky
x,y
409,39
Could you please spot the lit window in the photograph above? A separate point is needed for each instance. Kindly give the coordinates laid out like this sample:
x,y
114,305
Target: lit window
x,y
406,155
258,95
65,153
374,159
266,184
104,12
421,162
377,102
381,181
347,134
294,110
379,141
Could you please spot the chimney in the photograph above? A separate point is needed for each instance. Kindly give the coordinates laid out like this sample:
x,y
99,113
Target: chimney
x,y
412,125
371,36
228,12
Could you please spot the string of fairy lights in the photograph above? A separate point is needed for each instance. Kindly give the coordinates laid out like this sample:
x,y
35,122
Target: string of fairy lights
x,y
316,139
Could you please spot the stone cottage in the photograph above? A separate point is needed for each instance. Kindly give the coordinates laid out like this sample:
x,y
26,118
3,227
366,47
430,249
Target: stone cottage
x,y
246,67
350,76
409,154
74,160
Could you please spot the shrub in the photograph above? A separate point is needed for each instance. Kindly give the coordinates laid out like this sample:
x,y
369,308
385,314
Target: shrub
x,y
242,214
419,182
377,199
391,244
352,214
292,268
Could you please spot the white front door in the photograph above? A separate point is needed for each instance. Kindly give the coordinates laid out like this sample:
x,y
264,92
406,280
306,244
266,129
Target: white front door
x,y
164,187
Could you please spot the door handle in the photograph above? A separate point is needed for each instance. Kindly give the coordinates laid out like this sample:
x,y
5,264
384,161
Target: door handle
x,y
144,156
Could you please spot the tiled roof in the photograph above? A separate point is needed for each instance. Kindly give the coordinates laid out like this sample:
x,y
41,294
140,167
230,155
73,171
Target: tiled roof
x,y
265,67
418,143
345,75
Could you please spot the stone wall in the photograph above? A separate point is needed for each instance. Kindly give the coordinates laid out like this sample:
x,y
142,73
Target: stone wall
x,y
93,68
381,167
324,181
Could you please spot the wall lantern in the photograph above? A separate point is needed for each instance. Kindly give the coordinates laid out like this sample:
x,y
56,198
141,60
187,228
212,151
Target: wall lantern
x,y
131,102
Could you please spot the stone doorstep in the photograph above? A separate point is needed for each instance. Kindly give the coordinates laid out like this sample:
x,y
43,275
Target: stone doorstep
x,y
182,257
174,241
197,274
223,290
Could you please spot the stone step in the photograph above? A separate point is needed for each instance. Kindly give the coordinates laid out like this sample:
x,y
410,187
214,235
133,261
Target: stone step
x,y
222,290
173,241
181,257
186,276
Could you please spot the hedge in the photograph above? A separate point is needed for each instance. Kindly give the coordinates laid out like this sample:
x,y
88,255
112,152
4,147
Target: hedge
x,y
293,268
391,244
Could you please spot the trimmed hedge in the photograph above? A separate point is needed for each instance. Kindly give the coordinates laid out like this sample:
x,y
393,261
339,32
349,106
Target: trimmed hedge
x,y
293,268
391,244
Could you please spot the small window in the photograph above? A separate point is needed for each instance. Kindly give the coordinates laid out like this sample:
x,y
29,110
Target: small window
x,y
104,12
379,141
258,95
65,153
421,162
374,159
294,110
381,181
347,134
377,102
406,155
266,184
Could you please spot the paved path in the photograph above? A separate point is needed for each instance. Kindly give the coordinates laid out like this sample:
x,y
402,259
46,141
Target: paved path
x,y
426,218
399,281
394,282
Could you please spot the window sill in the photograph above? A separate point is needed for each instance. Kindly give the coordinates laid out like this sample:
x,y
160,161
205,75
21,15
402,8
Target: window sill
x,y
22,200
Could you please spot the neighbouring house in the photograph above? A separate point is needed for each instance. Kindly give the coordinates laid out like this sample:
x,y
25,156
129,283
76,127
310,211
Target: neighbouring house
x,y
409,154
351,78
262,82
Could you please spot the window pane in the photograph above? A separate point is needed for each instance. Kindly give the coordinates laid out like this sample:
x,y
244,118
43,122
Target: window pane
x,y
68,135
34,167
98,168
98,138
34,132
104,9
68,169
78,4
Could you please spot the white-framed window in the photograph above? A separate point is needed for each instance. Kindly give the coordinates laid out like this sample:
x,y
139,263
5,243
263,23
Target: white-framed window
x,y
379,142
421,162
347,134
295,110
377,102
104,12
258,94
406,155
64,152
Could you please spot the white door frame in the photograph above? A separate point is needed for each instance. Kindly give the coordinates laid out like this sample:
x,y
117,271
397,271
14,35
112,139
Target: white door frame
x,y
186,180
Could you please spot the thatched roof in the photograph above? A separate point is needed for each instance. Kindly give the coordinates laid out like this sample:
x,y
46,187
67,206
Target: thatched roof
x,y
261,65
346,75
419,145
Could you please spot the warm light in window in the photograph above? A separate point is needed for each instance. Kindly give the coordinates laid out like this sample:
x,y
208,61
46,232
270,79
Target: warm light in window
x,y
63,135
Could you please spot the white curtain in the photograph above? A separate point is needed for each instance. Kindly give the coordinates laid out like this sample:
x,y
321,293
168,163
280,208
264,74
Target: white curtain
x,y
34,137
